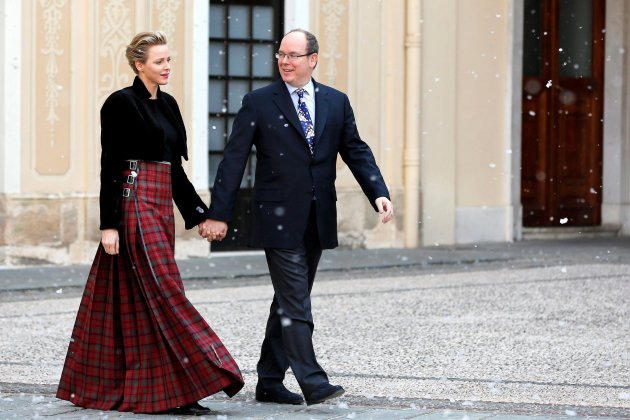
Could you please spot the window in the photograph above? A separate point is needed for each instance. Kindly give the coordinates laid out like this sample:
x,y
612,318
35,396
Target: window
x,y
243,40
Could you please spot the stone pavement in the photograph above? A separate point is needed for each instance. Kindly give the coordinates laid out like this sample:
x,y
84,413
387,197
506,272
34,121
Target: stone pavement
x,y
533,329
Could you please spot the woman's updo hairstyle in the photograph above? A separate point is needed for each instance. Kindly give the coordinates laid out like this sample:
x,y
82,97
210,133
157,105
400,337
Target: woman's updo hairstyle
x,y
137,49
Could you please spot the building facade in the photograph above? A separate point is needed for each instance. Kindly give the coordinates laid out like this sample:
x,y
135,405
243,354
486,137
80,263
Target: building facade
x,y
492,121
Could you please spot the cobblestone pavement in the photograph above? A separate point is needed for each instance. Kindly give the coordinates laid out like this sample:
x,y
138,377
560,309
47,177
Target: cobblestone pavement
x,y
529,330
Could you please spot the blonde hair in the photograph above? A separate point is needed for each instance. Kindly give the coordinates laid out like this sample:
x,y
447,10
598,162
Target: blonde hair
x,y
139,46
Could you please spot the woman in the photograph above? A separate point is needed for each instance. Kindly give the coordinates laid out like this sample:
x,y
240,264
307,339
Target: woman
x,y
138,344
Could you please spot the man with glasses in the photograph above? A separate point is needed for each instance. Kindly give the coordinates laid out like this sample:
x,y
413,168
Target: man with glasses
x,y
299,127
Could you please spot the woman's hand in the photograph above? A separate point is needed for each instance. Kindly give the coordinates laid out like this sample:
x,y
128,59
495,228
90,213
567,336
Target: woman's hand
x,y
213,230
110,241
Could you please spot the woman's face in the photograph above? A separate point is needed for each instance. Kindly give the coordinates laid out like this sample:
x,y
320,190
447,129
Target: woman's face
x,y
157,68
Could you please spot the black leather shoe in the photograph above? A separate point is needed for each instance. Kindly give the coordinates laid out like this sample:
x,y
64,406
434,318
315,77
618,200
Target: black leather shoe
x,y
192,409
323,393
277,394
196,409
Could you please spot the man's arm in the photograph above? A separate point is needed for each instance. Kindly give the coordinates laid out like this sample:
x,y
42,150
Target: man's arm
x,y
360,159
231,168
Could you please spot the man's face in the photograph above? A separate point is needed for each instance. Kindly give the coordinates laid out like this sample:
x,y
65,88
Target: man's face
x,y
296,72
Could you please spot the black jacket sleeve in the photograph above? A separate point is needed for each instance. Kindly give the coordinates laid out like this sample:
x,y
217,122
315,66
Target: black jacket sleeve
x,y
360,159
232,167
190,205
128,131
113,131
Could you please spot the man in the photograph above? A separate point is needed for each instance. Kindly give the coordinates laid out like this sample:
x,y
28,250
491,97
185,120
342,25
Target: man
x,y
298,127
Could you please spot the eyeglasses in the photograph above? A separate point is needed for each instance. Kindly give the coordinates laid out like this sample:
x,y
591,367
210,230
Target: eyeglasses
x,y
291,57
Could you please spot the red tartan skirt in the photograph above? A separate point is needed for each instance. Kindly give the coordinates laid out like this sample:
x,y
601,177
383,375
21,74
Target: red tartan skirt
x,y
138,344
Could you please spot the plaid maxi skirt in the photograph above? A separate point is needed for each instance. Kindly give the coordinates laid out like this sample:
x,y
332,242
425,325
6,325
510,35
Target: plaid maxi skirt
x,y
138,344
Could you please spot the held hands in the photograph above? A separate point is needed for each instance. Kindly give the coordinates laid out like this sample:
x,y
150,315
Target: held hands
x,y
385,208
110,241
216,230
213,230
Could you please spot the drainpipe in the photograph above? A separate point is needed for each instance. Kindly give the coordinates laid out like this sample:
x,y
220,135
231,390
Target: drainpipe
x,y
411,155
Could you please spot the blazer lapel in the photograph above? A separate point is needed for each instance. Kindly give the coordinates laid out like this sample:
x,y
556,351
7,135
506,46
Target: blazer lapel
x,y
283,101
321,112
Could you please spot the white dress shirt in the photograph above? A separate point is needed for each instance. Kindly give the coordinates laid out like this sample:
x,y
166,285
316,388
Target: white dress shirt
x,y
309,98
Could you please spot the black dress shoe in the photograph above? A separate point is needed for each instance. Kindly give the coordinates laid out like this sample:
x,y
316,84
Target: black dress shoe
x,y
277,394
324,392
192,409
195,409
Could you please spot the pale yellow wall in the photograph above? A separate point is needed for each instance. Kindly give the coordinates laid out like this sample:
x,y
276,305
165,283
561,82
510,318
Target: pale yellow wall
x,y
482,72
466,121
72,59
438,113
362,54
465,113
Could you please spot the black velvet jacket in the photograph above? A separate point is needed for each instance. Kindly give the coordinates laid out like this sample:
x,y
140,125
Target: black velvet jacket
x,y
130,131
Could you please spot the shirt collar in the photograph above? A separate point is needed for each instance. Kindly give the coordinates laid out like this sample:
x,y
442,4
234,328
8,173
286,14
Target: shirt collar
x,y
309,87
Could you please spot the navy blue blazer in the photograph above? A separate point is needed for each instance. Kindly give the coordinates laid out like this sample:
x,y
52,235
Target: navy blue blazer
x,y
287,177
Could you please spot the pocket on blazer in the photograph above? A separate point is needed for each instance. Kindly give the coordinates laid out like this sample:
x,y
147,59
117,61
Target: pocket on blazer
x,y
269,195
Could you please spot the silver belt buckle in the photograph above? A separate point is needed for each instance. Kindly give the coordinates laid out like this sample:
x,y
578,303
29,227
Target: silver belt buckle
x,y
126,192
133,165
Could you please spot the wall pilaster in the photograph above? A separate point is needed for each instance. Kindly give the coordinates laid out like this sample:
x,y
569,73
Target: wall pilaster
x,y
616,199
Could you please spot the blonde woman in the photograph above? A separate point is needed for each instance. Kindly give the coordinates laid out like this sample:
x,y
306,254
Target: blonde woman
x,y
138,344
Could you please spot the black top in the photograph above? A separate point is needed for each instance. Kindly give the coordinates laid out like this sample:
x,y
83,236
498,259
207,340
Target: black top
x,y
133,126
171,136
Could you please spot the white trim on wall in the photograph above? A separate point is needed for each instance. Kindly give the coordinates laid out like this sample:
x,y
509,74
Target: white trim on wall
x,y
297,15
198,130
10,96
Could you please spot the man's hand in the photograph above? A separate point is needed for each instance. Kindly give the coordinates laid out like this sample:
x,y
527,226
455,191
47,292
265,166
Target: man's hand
x,y
110,241
385,208
213,230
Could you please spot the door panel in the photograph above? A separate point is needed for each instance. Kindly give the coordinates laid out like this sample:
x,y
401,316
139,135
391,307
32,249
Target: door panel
x,y
562,112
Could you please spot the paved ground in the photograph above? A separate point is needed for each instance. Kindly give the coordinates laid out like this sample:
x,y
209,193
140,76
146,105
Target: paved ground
x,y
534,329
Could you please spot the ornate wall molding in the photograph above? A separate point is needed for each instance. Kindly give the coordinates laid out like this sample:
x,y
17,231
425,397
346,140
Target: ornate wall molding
x,y
52,80
167,20
52,16
332,12
115,33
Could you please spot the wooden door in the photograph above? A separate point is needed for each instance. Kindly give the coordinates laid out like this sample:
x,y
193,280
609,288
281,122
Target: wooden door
x,y
563,75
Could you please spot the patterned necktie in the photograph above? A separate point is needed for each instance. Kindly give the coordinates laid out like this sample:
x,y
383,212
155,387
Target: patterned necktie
x,y
305,119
